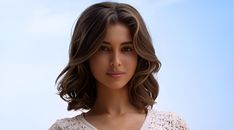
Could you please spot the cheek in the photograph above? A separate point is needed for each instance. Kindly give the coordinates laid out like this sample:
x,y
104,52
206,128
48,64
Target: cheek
x,y
131,61
97,63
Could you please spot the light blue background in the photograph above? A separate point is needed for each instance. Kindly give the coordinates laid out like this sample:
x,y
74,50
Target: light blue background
x,y
194,39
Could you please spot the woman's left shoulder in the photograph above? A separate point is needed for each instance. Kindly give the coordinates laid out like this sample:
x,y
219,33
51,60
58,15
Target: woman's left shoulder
x,y
168,120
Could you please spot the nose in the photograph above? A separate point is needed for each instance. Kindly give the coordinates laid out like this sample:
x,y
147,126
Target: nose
x,y
115,59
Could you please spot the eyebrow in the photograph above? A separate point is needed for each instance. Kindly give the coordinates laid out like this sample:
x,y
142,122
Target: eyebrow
x,y
123,43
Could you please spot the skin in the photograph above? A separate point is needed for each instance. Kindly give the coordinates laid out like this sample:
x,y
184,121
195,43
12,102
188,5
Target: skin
x,y
113,65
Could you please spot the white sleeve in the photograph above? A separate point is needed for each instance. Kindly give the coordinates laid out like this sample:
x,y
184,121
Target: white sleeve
x,y
55,126
178,123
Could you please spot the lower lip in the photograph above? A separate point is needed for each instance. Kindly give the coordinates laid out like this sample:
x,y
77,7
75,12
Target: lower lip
x,y
116,75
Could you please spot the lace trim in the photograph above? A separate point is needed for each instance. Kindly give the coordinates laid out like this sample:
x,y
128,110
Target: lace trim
x,y
154,120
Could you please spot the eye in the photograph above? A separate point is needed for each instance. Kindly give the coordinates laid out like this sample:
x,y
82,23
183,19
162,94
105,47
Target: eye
x,y
104,49
127,49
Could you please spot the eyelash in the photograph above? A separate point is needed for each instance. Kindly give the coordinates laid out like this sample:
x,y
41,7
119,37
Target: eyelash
x,y
104,48
127,49
124,49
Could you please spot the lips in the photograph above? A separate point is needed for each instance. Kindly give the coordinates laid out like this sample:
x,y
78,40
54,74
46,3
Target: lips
x,y
115,74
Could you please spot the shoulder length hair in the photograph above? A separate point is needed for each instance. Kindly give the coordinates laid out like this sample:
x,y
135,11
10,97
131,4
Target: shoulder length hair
x,y
76,84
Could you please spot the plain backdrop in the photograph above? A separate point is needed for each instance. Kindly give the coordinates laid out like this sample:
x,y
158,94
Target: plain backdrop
x,y
193,39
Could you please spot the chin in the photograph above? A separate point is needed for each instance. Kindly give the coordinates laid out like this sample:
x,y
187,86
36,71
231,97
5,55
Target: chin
x,y
116,86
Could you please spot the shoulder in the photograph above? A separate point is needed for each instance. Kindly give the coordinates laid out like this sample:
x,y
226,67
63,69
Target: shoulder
x,y
73,123
167,120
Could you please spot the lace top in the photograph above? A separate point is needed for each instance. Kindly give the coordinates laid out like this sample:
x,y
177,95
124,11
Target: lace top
x,y
155,120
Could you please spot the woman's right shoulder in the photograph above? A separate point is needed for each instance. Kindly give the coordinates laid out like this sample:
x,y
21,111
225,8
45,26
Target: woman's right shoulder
x,y
73,123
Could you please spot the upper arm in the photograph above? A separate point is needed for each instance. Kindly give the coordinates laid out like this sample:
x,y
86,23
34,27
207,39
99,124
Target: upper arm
x,y
178,123
55,126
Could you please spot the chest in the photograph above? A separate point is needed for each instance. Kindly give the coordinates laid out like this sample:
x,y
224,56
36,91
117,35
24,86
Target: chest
x,y
119,123
129,125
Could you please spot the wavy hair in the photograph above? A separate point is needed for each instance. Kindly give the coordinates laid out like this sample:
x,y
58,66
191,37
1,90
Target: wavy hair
x,y
76,84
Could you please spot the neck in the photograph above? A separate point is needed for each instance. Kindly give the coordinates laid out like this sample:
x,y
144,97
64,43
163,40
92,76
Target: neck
x,y
112,101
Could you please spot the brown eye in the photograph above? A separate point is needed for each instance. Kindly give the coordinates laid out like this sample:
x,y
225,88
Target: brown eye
x,y
127,49
104,48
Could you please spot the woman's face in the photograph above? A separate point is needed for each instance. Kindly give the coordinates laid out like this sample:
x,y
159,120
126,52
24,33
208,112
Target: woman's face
x,y
114,64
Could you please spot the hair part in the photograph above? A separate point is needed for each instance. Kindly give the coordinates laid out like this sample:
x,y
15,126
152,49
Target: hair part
x,y
76,84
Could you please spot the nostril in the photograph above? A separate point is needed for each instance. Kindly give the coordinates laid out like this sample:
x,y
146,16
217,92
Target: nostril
x,y
114,64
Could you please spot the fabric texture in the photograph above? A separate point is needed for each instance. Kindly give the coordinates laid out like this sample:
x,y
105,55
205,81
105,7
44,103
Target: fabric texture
x,y
155,120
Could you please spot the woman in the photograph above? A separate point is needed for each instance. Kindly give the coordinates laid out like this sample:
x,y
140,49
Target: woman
x,y
110,73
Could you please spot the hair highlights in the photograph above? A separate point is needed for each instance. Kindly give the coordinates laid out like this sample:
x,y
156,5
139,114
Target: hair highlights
x,y
76,83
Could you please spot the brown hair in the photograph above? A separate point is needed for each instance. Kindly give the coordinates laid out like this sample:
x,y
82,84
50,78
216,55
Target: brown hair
x,y
76,82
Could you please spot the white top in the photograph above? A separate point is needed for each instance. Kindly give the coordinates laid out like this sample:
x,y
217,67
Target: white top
x,y
155,120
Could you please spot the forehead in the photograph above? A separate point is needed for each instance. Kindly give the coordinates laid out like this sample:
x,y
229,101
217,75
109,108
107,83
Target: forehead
x,y
117,33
